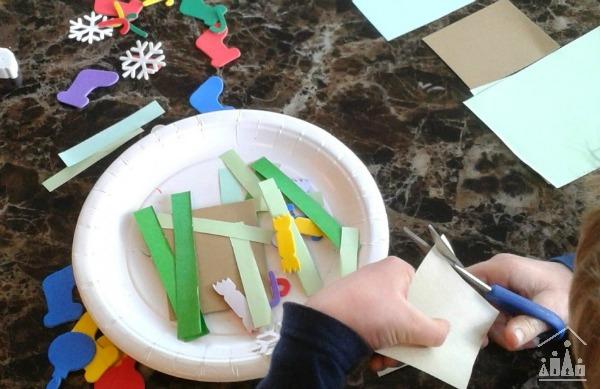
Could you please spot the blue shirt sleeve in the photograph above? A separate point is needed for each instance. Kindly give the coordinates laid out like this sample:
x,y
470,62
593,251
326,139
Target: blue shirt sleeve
x,y
566,259
315,351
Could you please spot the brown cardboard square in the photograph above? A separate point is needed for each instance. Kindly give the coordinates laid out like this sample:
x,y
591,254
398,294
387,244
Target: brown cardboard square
x,y
491,44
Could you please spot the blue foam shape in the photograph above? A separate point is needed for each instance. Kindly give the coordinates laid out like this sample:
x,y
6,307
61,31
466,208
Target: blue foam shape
x,y
69,352
58,290
206,98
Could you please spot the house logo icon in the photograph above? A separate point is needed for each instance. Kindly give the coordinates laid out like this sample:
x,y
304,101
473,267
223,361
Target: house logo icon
x,y
556,368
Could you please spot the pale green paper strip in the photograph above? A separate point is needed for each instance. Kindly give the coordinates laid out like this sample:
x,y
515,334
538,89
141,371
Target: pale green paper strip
x,y
229,188
105,138
72,171
245,176
348,251
218,227
308,273
258,302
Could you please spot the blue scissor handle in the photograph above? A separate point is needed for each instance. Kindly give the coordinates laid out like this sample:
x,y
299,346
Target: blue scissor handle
x,y
515,304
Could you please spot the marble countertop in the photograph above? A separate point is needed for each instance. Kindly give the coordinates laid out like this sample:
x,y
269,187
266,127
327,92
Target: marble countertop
x,y
395,104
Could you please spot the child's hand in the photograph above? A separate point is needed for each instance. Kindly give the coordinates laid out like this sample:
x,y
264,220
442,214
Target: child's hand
x,y
546,283
372,301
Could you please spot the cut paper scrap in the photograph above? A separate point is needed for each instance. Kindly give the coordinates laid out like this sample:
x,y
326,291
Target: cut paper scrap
x,y
109,136
245,176
206,98
286,246
212,16
221,228
491,44
438,291
349,251
122,375
190,320
211,44
160,251
307,227
393,18
267,340
308,273
58,291
106,356
85,82
276,299
69,352
311,208
543,115
236,300
216,260
229,189
258,302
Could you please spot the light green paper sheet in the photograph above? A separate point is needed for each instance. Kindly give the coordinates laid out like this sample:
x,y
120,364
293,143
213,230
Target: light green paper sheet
x,y
258,303
245,177
229,188
547,114
70,172
105,138
308,273
218,227
348,251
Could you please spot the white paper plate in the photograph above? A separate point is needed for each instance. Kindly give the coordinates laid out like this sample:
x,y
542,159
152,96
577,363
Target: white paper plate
x,y
116,279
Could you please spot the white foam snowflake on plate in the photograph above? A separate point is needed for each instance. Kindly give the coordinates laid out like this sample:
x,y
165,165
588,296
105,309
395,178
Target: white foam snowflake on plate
x,y
142,63
266,341
89,31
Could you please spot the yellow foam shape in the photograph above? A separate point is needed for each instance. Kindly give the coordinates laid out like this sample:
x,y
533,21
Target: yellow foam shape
x,y
150,2
286,246
307,227
106,356
86,325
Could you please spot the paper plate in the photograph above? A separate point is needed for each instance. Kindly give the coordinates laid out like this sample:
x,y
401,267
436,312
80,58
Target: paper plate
x,y
117,280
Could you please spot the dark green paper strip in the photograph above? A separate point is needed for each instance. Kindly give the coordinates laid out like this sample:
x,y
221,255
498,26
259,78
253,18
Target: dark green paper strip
x,y
161,253
315,212
190,321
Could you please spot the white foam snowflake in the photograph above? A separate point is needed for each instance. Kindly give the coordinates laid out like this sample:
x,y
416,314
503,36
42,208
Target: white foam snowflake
x,y
266,341
89,31
146,62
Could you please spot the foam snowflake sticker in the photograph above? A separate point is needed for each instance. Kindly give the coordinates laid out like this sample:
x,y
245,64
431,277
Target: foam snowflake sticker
x,y
141,63
266,341
88,31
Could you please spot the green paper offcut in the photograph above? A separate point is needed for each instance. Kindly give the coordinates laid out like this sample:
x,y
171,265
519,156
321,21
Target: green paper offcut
x,y
308,273
315,212
105,138
258,302
161,253
245,177
227,229
190,320
348,251
70,172
229,188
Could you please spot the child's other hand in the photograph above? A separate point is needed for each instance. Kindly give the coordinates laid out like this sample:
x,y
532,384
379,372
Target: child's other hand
x,y
546,283
372,301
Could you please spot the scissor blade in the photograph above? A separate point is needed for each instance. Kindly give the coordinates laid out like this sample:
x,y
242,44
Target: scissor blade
x,y
423,246
443,248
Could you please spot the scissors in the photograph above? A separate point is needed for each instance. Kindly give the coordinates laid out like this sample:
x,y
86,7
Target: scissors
x,y
504,299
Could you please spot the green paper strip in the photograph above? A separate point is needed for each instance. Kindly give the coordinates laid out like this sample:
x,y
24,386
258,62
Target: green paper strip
x,y
105,138
190,321
308,273
245,176
230,189
70,172
161,253
218,227
330,227
348,251
258,302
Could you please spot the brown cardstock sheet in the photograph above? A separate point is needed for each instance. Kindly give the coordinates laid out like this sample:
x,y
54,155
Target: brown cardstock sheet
x,y
216,260
491,44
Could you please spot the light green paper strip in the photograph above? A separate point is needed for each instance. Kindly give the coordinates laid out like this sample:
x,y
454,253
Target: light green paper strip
x,y
245,177
308,273
218,227
190,321
72,171
258,302
229,188
105,138
160,252
348,251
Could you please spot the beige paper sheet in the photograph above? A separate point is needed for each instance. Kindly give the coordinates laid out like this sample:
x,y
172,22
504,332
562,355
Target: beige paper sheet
x,y
439,292
216,260
491,44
